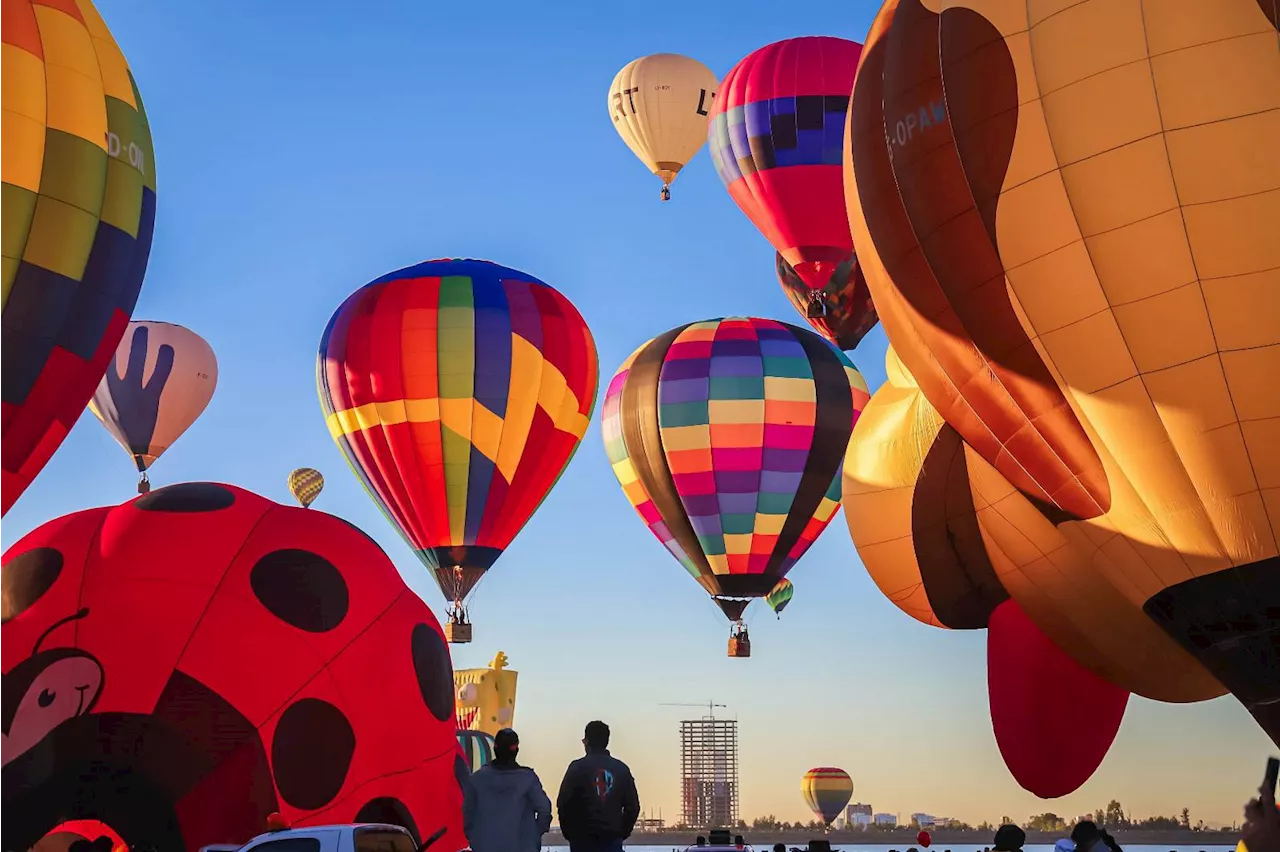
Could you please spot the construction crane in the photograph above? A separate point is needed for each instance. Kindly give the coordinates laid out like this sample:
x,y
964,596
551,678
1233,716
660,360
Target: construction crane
x,y
710,705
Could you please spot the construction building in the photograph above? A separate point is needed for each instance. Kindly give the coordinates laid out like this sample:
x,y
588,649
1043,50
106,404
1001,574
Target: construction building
x,y
709,772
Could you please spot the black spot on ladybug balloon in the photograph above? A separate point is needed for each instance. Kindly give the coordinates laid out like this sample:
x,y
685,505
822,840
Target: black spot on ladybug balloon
x,y
184,664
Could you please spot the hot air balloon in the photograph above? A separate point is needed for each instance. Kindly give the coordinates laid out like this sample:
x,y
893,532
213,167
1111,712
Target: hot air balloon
x,y
305,484
161,380
826,791
775,136
780,595
185,664
1090,308
726,436
79,206
477,747
458,390
659,106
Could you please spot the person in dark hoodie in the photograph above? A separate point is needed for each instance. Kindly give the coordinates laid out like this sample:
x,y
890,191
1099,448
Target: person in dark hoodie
x,y
1009,838
508,810
598,802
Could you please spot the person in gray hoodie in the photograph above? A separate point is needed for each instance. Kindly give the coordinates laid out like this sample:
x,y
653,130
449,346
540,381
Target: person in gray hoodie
x,y
509,811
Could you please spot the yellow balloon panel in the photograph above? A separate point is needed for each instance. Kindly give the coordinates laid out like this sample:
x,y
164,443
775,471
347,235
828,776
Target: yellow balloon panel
x,y
486,698
659,105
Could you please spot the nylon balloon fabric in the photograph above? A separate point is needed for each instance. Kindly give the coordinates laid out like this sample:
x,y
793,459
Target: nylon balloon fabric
x,y
826,791
1071,251
79,193
305,484
780,595
477,748
776,138
184,664
727,436
458,390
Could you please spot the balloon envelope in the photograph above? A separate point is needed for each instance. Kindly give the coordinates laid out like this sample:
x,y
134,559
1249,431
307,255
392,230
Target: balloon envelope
x,y
477,748
727,436
659,106
1054,720
1092,303
826,791
79,208
780,595
458,390
160,382
279,672
776,138
305,484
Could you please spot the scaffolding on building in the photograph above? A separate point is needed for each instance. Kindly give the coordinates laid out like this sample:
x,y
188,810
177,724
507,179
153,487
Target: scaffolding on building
x,y
709,772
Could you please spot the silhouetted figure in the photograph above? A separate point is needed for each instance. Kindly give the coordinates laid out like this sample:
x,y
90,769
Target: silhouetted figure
x,y
598,801
1009,838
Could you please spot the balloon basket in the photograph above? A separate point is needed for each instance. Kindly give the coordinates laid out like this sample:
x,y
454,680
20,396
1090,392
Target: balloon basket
x,y
739,646
457,633
666,194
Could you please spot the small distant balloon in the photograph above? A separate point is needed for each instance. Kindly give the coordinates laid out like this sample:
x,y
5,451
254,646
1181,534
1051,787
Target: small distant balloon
x,y
780,595
305,484
924,839
159,383
659,105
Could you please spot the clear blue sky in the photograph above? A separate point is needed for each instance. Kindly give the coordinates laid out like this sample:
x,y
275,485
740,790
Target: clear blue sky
x,y
305,148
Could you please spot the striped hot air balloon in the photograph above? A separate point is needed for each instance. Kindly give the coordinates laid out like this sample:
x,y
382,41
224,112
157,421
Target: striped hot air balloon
x,y
826,791
458,390
727,437
477,748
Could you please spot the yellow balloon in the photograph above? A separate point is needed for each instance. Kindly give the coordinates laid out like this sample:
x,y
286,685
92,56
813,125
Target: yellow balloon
x,y
305,484
659,106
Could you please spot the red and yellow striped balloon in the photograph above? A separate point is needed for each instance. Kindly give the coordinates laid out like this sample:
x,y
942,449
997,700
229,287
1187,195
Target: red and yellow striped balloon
x,y
458,390
826,791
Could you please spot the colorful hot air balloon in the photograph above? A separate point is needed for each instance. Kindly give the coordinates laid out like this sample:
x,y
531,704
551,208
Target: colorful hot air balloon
x,y
458,390
79,206
1072,252
776,138
305,484
780,595
826,791
726,436
659,106
161,380
477,747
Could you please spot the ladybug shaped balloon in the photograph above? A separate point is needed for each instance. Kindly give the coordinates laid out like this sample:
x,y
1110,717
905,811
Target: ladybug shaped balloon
x,y
185,664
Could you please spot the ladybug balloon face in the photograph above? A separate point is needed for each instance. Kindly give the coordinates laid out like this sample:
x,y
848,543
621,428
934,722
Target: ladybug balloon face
x,y
187,663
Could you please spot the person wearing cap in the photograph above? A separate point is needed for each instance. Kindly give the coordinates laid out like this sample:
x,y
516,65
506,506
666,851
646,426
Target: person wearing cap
x,y
509,811
1009,838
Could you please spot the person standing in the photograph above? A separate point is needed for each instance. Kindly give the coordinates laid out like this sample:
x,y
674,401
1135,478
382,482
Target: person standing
x,y
508,810
598,802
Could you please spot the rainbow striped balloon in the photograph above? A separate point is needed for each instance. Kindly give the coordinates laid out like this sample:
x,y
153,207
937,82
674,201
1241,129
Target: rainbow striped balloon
x,y
826,791
727,437
477,748
458,390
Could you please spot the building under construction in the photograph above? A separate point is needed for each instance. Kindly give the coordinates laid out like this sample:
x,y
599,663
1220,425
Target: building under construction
x,y
709,772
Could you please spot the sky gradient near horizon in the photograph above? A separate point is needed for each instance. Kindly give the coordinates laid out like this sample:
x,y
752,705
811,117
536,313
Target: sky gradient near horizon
x,y
305,149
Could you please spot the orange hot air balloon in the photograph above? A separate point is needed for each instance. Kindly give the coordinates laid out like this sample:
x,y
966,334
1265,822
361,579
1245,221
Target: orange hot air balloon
x,y
458,390
1071,253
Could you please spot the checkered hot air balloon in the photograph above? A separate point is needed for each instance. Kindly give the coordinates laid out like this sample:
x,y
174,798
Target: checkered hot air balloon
x,y
79,206
458,390
776,135
727,437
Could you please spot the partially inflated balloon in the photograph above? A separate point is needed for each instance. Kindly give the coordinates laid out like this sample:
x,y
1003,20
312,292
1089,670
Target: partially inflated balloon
x,y
776,136
458,390
1054,720
305,484
659,106
161,380
727,436
826,791
79,206
1073,251
780,595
